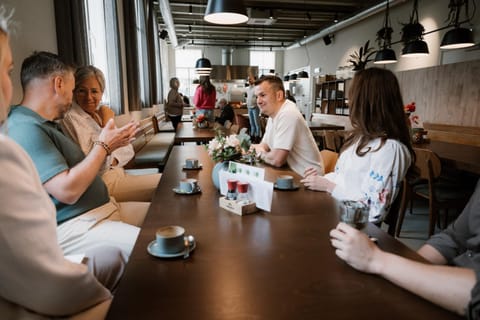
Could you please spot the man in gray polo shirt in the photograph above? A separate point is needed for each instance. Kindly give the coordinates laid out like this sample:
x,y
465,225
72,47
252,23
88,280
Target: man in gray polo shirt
x,y
87,217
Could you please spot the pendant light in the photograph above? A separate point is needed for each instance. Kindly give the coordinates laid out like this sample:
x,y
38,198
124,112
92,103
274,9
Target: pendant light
x,y
225,12
457,37
203,67
384,37
412,36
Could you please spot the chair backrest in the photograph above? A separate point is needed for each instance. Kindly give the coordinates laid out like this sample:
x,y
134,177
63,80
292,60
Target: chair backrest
x,y
427,164
329,160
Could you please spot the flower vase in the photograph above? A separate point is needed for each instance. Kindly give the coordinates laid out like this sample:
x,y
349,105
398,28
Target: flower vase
x,y
219,166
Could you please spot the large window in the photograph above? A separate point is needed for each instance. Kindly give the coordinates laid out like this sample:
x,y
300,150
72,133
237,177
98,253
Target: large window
x,y
101,17
265,60
185,69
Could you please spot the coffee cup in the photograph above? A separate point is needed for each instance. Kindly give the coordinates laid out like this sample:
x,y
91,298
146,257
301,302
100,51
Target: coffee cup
x,y
354,213
285,182
170,239
191,163
188,185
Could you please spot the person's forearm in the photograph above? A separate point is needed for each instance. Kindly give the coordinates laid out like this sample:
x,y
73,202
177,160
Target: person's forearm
x,y
446,286
431,254
70,185
275,157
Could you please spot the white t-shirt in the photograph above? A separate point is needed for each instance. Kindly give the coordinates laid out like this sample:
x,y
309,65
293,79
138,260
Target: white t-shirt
x,y
373,178
288,130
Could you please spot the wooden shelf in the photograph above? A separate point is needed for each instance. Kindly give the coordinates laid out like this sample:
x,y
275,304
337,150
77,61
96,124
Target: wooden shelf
x,y
332,97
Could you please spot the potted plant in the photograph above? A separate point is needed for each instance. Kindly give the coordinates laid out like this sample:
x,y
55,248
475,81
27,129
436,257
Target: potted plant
x,y
360,59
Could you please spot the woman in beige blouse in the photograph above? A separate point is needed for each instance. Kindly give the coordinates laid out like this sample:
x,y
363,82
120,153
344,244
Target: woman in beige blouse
x,y
83,123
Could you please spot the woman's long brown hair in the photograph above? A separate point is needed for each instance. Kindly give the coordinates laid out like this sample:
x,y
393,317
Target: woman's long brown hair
x,y
206,85
376,110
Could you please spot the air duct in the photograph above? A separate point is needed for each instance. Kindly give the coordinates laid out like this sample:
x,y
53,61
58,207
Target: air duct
x,y
345,23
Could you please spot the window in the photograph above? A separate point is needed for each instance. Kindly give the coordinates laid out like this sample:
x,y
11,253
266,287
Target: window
x,y
265,60
185,60
101,19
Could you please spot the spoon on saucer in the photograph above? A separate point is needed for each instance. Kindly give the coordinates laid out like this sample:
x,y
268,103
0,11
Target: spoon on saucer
x,y
189,240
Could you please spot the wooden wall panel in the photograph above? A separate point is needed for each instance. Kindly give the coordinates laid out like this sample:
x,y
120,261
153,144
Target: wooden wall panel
x,y
448,94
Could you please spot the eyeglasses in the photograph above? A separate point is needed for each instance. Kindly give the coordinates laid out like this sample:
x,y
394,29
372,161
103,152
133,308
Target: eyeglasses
x,y
83,92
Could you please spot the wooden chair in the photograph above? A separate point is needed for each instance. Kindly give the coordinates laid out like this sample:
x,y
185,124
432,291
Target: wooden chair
x,y
329,160
440,194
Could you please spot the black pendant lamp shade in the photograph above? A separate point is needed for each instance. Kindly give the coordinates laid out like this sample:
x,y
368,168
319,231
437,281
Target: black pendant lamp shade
x,y
457,38
203,67
225,12
286,78
385,56
415,48
293,77
303,75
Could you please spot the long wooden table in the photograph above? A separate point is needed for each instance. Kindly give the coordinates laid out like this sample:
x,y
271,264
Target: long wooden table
x,y
187,133
459,156
277,265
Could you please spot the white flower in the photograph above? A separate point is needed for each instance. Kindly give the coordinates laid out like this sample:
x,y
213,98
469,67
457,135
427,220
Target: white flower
x,y
232,141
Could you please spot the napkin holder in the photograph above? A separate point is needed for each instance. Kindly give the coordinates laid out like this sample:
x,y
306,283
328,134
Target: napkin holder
x,y
239,207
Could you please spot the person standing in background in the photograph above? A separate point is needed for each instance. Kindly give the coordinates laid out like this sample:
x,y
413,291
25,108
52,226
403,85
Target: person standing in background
x,y
204,98
253,111
175,103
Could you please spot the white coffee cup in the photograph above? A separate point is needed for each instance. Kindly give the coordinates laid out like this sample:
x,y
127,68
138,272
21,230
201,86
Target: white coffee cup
x,y
170,239
188,185
191,163
285,182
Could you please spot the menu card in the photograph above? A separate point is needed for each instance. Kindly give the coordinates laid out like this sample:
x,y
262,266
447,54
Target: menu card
x,y
259,190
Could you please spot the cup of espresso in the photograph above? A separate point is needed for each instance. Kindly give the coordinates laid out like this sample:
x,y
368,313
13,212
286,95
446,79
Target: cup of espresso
x,y
191,163
285,182
188,185
354,213
169,239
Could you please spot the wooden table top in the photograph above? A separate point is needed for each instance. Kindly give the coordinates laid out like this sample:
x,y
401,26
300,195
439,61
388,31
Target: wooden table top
x,y
187,133
460,156
277,265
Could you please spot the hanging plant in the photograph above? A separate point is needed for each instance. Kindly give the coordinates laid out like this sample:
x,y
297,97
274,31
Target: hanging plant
x,y
360,59
413,30
455,7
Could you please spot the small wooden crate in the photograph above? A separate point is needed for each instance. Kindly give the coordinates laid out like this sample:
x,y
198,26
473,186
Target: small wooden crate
x,y
237,207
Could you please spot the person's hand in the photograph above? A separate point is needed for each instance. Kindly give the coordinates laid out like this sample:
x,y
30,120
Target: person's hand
x,y
118,137
355,248
318,183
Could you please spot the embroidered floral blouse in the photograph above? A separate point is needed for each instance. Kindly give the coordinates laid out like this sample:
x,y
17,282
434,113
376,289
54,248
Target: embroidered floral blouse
x,y
374,178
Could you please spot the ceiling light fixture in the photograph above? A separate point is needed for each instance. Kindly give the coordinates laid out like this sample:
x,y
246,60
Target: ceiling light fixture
x,y
384,38
458,37
203,67
225,12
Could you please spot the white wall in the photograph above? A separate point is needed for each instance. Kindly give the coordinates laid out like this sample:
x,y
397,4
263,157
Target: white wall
x,y
432,14
35,31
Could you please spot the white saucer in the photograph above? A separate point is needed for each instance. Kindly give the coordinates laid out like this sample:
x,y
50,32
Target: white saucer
x,y
295,187
196,168
152,249
180,191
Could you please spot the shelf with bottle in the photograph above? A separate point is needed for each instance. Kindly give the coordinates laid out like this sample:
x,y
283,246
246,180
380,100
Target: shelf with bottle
x,y
331,97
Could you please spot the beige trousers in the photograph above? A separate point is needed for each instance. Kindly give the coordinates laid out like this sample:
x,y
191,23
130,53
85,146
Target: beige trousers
x,y
113,224
127,187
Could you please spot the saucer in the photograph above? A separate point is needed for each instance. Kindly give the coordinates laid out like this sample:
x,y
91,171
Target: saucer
x,y
295,187
152,249
196,168
180,191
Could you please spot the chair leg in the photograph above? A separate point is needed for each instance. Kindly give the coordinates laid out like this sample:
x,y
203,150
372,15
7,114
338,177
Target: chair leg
x,y
433,213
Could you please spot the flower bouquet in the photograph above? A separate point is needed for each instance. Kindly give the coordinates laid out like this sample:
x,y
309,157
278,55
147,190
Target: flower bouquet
x,y
416,131
232,147
200,121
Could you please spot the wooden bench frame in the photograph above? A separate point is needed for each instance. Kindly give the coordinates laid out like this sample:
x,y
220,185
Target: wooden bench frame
x,y
453,133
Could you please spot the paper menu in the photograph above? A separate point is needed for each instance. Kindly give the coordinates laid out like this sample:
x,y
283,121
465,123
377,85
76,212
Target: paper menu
x,y
259,190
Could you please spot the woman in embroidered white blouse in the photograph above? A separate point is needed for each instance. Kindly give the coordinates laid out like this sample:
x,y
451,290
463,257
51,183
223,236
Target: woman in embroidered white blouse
x,y
378,153
83,123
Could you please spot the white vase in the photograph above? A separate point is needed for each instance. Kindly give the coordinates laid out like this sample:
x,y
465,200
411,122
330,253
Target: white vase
x,y
219,166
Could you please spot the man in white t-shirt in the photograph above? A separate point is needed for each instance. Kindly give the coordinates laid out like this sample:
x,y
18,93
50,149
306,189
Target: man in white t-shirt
x,y
287,139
